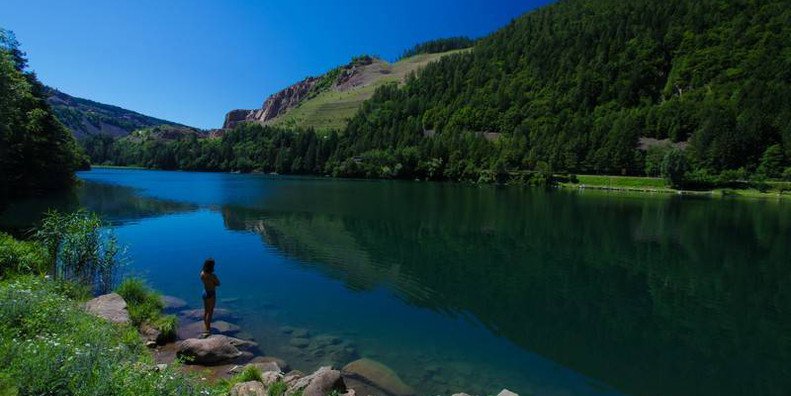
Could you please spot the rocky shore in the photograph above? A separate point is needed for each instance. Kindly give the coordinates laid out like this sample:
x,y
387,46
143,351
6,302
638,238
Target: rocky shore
x,y
225,353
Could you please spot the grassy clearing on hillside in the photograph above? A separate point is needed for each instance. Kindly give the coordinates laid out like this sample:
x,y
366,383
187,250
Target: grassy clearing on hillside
x,y
331,109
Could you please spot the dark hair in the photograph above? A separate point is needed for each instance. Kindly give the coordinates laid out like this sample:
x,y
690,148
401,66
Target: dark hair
x,y
208,266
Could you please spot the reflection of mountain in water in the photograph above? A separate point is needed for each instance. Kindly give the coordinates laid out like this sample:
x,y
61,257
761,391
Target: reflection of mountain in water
x,y
651,296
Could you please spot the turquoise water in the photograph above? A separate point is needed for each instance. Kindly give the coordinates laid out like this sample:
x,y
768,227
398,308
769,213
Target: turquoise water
x,y
469,288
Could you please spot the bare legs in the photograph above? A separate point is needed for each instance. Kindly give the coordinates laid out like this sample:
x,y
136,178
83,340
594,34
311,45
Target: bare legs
x,y
208,311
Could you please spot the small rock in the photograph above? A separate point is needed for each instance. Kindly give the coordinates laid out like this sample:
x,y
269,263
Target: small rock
x,y
151,344
299,342
160,367
249,388
506,392
111,307
270,377
327,340
367,376
292,376
212,350
460,394
271,361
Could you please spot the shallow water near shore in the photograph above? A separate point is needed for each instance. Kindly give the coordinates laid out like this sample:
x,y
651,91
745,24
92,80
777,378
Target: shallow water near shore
x,y
471,288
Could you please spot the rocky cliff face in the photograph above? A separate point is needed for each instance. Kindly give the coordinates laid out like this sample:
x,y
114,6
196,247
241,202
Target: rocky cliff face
x,y
275,105
342,78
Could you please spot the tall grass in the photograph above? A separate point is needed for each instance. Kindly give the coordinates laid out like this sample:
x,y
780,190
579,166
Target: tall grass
x,y
145,305
80,249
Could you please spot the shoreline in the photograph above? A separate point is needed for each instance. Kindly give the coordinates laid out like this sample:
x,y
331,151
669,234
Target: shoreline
x,y
644,184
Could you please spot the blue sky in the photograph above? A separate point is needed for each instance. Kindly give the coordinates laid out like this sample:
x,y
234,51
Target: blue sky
x,y
192,61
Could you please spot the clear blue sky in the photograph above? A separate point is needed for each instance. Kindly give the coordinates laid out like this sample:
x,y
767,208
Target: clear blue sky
x,y
192,61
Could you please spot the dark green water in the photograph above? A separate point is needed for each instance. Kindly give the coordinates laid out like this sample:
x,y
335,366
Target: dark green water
x,y
466,288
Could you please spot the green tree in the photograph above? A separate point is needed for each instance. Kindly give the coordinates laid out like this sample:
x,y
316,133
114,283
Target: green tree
x,y
675,167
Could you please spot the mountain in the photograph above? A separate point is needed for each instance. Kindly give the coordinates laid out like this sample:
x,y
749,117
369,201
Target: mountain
x,y
698,91
85,117
326,102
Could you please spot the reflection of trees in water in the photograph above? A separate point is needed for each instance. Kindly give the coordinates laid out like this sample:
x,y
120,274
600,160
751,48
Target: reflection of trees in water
x,y
653,296
117,204
120,204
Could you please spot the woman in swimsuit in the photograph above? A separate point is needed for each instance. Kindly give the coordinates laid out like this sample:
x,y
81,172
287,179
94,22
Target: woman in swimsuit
x,y
210,283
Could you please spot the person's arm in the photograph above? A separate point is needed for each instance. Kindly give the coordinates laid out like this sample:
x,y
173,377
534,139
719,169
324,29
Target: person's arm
x,y
216,281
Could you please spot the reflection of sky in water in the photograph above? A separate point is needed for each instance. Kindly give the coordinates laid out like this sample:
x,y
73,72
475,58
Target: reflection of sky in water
x,y
500,287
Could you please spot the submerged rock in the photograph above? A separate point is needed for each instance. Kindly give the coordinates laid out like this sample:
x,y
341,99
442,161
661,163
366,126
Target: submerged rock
x,y
215,349
171,303
299,342
369,377
111,307
194,329
249,388
197,314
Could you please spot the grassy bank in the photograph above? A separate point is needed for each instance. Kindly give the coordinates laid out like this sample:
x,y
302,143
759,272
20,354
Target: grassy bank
x,y
659,185
49,345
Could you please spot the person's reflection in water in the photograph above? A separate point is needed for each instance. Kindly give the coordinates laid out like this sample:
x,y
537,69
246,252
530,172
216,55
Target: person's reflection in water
x,y
210,283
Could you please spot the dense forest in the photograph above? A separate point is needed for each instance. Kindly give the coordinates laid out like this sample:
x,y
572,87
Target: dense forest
x,y
37,153
439,45
698,91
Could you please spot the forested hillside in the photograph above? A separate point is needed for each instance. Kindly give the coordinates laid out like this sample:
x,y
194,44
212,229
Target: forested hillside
x,y
579,83
698,89
37,153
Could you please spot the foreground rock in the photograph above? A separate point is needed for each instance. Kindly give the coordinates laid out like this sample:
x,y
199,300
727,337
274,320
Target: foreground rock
x,y
264,364
369,377
250,388
323,382
506,392
111,307
213,350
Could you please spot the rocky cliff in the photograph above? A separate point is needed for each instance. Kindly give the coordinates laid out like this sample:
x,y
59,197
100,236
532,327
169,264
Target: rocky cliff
x,y
341,79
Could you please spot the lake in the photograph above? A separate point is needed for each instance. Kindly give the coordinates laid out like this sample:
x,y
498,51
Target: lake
x,y
471,288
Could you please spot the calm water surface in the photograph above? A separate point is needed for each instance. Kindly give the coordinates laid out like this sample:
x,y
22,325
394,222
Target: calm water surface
x,y
466,288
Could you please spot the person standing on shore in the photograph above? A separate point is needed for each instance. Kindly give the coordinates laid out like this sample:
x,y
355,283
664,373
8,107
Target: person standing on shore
x,y
210,284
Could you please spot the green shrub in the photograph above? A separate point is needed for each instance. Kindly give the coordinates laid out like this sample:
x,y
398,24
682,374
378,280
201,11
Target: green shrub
x,y
21,257
167,325
277,389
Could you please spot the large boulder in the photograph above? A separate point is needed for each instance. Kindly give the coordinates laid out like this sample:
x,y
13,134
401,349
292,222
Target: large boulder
x,y
249,388
322,382
215,349
111,307
369,377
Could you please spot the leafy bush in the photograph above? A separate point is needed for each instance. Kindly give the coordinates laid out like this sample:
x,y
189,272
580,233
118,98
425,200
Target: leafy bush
x,y
49,345
21,257
79,249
